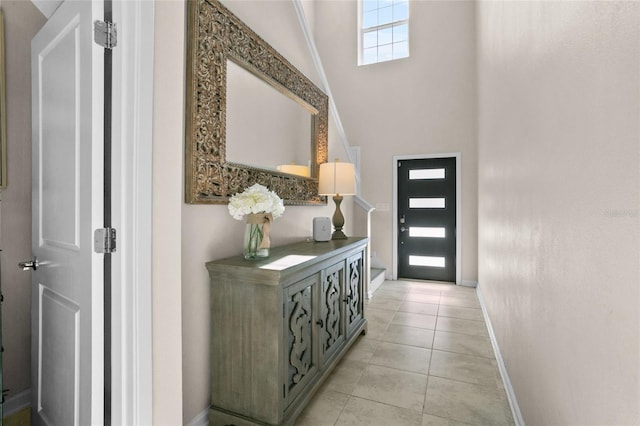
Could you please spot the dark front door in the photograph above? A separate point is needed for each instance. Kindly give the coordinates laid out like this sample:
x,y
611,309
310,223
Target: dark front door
x,y
427,219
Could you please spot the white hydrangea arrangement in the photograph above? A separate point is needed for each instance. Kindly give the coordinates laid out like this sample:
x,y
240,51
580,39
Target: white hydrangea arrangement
x,y
253,200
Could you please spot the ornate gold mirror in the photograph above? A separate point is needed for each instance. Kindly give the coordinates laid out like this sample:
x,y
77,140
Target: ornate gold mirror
x,y
214,38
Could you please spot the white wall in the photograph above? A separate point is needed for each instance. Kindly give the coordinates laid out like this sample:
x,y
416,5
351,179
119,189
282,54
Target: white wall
x,y
168,151
559,185
208,232
22,22
425,104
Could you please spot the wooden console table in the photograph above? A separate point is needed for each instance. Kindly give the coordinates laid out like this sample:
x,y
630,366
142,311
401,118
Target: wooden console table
x,y
279,326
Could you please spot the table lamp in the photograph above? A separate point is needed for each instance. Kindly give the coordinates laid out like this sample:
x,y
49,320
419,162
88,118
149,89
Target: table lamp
x,y
337,179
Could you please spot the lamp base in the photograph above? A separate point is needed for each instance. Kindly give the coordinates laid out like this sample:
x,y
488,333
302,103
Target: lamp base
x,y
338,220
338,235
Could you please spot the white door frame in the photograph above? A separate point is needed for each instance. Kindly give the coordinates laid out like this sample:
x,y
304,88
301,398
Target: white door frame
x,y
131,350
132,208
458,157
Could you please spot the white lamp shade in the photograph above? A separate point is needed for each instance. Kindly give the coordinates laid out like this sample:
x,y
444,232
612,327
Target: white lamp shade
x,y
294,169
337,178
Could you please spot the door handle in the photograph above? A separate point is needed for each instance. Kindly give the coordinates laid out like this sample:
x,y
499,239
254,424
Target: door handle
x,y
30,264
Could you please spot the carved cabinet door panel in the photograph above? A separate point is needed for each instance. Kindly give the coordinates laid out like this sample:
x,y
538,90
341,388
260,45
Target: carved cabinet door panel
x,y
331,324
354,292
301,359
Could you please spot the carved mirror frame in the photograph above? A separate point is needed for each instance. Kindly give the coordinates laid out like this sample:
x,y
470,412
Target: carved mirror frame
x,y
214,35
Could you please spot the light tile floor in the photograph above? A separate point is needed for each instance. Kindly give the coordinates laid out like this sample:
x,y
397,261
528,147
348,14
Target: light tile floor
x,y
426,360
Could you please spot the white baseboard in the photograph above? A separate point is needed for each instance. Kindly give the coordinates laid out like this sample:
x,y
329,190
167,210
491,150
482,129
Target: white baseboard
x,y
16,402
201,419
467,283
511,396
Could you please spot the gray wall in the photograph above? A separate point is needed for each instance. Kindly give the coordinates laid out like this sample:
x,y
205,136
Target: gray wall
x,y
559,184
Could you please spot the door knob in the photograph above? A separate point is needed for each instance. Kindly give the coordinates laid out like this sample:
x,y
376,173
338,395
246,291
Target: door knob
x,y
30,264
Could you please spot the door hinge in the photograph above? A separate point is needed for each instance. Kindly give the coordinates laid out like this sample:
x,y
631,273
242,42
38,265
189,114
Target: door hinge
x,y
104,240
105,34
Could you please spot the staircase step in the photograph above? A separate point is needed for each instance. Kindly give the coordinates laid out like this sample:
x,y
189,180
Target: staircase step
x,y
377,278
375,272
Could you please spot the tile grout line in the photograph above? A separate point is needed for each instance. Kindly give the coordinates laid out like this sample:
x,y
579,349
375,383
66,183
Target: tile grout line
x,y
382,403
342,409
482,385
426,390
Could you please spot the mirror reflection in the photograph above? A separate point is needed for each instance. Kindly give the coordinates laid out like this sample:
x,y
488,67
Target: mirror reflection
x,y
215,169
265,128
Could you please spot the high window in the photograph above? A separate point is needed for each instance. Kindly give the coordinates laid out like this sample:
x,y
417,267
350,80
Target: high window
x,y
383,30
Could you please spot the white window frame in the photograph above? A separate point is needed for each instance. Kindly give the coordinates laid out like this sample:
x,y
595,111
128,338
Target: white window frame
x,y
362,31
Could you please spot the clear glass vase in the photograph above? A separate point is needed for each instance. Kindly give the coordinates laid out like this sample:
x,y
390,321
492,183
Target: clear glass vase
x,y
256,238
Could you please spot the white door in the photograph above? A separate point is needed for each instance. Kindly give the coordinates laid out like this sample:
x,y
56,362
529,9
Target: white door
x,y
67,190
